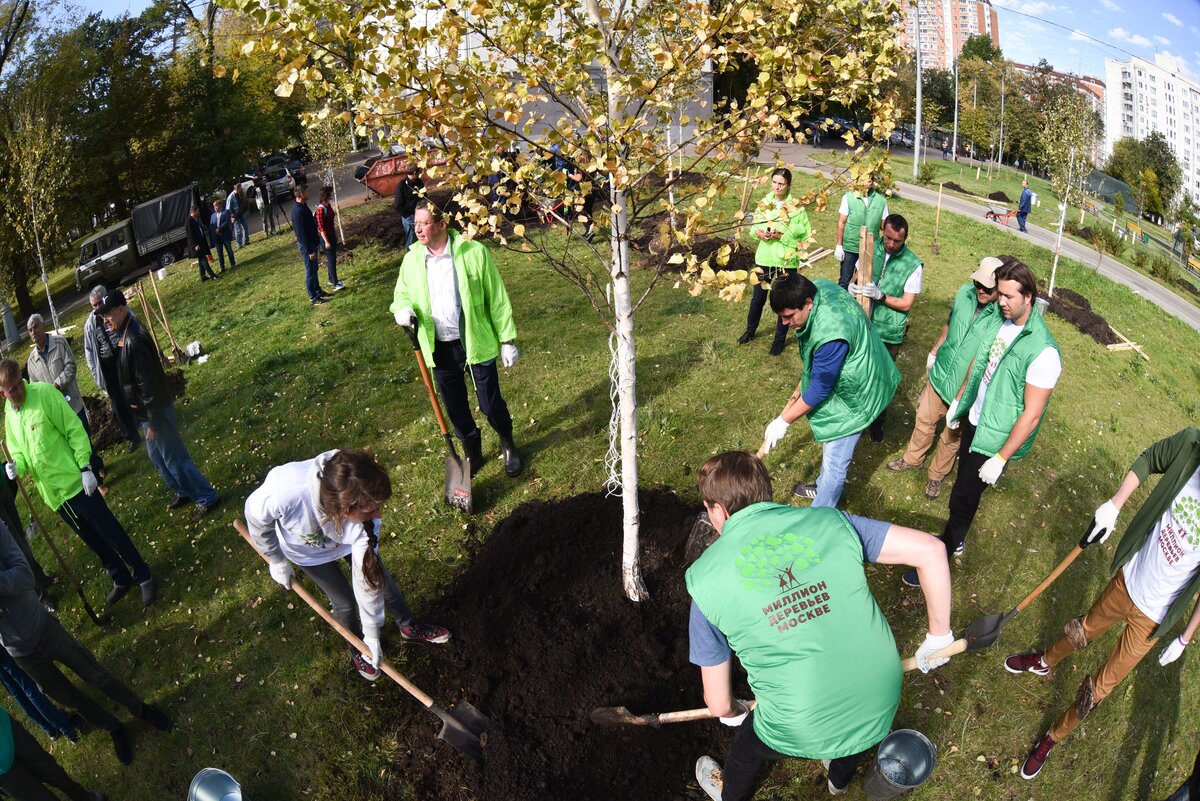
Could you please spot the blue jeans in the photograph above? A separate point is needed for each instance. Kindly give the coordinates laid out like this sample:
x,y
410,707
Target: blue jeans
x,y
240,232
1021,218
848,266
835,464
331,262
410,230
224,246
25,692
311,284
170,457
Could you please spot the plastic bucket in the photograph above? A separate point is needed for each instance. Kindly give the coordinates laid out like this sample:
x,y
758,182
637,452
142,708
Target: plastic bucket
x,y
904,760
214,784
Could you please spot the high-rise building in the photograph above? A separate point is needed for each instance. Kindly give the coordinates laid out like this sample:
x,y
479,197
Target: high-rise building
x,y
946,25
1145,96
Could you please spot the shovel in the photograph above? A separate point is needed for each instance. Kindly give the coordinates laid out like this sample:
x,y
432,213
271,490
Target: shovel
x,y
462,727
458,471
983,632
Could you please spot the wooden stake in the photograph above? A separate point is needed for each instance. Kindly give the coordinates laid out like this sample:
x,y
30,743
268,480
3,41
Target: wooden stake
x,y
866,265
745,194
180,356
141,292
937,221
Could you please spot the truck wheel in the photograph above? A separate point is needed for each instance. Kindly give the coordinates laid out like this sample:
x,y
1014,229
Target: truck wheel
x,y
166,259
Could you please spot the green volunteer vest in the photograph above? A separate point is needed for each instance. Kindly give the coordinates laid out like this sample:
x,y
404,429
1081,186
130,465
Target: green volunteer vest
x,y
862,211
963,339
869,377
786,586
891,278
1005,398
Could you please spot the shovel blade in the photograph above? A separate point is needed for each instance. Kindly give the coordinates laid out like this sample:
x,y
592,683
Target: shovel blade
x,y
983,632
463,727
458,484
620,716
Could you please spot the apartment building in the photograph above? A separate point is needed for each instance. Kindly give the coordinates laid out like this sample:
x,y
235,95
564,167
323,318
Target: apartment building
x,y
945,26
1148,96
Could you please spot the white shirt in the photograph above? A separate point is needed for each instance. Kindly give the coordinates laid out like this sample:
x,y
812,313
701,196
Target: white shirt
x,y
1043,372
913,284
1163,567
443,294
844,209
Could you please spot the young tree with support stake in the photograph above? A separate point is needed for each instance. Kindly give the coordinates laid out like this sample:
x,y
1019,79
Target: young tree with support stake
x,y
602,80
1069,136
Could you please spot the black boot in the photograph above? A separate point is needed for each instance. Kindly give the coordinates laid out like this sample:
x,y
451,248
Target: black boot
x,y
473,448
512,459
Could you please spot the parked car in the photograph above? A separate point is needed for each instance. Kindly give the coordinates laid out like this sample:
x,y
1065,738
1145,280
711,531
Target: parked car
x,y
299,153
279,180
297,171
900,138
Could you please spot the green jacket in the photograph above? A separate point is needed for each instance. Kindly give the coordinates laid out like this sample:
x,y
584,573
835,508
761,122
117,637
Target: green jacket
x,y
47,440
1005,400
1176,459
486,319
786,587
889,323
966,330
794,228
862,211
869,377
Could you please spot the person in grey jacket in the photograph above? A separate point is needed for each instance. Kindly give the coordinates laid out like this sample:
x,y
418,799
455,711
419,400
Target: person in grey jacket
x,y
100,354
37,641
52,362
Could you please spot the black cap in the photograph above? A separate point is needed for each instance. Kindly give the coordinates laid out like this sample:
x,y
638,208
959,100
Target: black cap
x,y
112,300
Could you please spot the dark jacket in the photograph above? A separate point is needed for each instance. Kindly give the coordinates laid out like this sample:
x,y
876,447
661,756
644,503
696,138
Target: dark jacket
x,y
142,378
408,192
305,226
197,235
22,616
221,224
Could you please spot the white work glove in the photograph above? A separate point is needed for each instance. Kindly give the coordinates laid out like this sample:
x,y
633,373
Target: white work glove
x,y
926,661
929,360
89,482
1103,523
376,651
869,290
11,469
775,432
736,720
406,318
951,421
509,354
839,252
1172,651
282,573
991,470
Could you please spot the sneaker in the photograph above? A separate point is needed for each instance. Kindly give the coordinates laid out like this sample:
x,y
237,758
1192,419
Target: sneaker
x,y
425,632
364,668
1032,765
179,502
149,591
117,592
833,788
910,579
338,287
962,546
803,490
933,488
121,744
203,509
317,301
711,777
156,717
1027,663
898,465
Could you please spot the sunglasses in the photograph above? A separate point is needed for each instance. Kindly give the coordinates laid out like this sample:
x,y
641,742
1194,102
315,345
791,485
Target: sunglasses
x,y
981,288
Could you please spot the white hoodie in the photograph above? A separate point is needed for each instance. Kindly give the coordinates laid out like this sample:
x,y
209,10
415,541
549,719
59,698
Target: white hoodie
x,y
286,522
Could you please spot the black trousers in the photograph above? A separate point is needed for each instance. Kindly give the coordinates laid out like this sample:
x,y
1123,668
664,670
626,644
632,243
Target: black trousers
x,y
12,520
758,302
206,270
121,410
57,645
893,349
97,464
747,754
968,490
33,769
90,518
849,265
450,359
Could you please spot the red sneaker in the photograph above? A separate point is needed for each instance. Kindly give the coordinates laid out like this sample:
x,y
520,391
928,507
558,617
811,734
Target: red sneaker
x,y
364,668
1027,663
425,632
1033,763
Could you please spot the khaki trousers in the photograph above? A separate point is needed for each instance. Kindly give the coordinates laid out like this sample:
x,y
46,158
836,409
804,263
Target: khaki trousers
x,y
1112,607
930,410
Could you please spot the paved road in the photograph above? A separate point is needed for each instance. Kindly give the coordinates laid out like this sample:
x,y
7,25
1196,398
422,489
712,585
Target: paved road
x,y
1146,287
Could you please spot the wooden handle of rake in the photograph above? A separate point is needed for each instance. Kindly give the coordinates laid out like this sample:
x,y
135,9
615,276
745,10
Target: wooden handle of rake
x,y
53,549
866,265
349,636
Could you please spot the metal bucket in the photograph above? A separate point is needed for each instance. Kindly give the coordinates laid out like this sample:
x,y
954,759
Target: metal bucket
x,y
904,760
214,784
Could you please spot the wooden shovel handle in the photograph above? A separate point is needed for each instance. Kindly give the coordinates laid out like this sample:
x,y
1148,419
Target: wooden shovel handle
x,y
347,635
956,647
1063,565
687,715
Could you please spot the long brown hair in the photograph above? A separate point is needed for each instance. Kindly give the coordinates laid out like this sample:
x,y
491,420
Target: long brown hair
x,y
351,480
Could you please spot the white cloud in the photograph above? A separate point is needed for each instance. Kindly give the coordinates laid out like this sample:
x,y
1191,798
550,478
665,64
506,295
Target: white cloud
x,y
1079,36
1171,18
1122,35
1162,40
1176,63
1111,6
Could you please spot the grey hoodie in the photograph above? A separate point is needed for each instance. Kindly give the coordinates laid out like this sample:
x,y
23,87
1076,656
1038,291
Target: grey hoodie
x,y
22,616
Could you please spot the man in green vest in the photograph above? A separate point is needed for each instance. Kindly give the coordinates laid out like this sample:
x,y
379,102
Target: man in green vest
x,y
858,208
847,380
1002,400
1156,574
784,588
893,289
974,317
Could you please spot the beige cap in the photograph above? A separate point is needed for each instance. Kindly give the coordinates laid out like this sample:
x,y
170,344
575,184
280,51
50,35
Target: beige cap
x,y
986,274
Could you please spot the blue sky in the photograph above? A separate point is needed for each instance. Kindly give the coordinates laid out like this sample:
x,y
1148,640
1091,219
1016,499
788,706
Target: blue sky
x,y
1059,31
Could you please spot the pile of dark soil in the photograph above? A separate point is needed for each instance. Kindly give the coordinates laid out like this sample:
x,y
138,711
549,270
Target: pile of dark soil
x,y
102,422
543,635
1077,310
955,187
705,250
681,179
1086,232
1000,197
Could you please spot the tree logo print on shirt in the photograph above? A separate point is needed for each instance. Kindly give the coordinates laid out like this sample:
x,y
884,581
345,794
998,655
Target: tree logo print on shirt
x,y
770,562
1186,514
315,540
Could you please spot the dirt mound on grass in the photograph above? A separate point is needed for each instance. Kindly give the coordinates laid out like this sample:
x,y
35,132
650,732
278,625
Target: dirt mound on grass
x,y
681,179
705,250
102,422
544,634
955,187
1077,310
1000,197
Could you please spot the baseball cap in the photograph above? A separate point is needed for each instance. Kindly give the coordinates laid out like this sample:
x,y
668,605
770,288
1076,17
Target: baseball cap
x,y
985,275
112,300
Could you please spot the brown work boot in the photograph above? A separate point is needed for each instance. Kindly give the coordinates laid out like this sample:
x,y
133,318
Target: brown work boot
x,y
898,465
933,488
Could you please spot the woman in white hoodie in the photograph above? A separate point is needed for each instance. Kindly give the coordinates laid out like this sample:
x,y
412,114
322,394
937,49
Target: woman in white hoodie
x,y
319,512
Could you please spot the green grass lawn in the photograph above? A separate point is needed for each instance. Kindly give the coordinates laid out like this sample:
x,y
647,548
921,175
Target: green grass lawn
x,y
259,687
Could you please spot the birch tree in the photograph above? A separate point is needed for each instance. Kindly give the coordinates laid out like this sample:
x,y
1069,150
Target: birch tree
x,y
599,83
